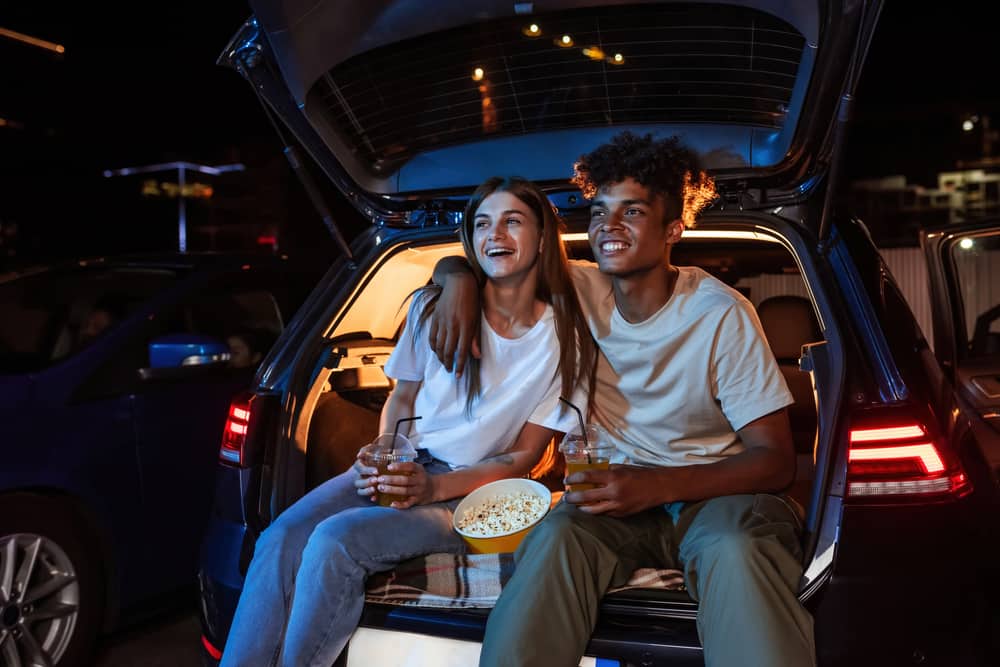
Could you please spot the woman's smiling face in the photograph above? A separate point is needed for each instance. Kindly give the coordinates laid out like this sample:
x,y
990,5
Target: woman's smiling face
x,y
506,236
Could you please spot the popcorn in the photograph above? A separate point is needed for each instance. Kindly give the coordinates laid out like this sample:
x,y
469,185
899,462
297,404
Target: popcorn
x,y
502,514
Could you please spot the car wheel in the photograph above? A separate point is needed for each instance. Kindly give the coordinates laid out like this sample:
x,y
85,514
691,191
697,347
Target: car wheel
x,y
51,589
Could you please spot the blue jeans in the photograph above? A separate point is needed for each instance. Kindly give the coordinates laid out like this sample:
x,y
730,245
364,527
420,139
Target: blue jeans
x,y
304,591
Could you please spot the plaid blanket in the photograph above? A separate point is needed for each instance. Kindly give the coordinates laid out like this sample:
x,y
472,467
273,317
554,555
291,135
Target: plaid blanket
x,y
474,581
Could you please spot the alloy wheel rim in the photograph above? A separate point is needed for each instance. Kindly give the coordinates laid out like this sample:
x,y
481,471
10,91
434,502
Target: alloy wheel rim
x,y
39,600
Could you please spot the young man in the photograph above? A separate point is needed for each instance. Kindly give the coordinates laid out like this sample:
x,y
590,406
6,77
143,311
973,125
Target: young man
x,y
692,397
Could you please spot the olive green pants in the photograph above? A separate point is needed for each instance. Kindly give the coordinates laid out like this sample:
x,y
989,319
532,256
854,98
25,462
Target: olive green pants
x,y
741,561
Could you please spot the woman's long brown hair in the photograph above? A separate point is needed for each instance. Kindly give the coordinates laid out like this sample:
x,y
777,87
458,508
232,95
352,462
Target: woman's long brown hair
x,y
555,286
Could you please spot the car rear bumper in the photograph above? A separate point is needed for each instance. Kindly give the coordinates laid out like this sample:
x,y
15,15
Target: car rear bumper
x,y
220,581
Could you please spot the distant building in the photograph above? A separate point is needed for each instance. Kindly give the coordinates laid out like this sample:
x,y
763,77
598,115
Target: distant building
x,y
895,210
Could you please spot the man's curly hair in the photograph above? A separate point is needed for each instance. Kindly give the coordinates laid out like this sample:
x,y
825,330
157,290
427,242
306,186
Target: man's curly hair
x,y
665,166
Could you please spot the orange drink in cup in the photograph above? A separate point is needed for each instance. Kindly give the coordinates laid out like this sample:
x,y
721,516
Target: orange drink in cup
x,y
386,449
589,450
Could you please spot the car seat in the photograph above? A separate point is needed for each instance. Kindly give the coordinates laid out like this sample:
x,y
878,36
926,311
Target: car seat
x,y
789,322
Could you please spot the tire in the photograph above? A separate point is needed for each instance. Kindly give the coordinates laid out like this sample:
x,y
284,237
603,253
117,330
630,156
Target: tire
x,y
58,608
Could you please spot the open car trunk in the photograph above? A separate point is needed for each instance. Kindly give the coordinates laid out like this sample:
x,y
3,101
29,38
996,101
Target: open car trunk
x,y
762,256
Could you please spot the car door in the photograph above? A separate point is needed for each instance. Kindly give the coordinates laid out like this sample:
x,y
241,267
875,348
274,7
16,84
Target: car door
x,y
963,264
179,419
66,425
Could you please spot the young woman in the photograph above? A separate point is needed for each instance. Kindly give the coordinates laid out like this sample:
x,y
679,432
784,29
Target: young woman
x,y
304,591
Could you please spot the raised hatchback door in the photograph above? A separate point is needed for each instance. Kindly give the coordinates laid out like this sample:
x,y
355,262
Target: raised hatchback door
x,y
407,110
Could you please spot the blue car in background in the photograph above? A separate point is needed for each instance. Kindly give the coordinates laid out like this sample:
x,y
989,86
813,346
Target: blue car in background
x,y
115,378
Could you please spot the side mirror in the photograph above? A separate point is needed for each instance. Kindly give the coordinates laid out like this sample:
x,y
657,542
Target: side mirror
x,y
175,355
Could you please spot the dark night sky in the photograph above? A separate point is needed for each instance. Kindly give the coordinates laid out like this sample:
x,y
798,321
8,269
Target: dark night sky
x,y
141,83
141,86
930,64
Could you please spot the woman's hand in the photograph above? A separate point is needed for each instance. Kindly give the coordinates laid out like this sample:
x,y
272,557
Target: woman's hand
x,y
366,480
410,481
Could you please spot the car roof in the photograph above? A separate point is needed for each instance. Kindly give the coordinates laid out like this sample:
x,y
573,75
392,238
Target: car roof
x,y
188,262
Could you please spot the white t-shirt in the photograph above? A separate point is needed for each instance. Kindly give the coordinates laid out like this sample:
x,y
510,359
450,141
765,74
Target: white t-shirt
x,y
675,388
519,384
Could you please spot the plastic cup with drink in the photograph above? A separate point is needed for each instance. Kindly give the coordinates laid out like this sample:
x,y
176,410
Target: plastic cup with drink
x,y
386,449
585,447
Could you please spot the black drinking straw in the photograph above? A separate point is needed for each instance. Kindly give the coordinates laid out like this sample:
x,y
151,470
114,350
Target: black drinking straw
x,y
395,432
583,427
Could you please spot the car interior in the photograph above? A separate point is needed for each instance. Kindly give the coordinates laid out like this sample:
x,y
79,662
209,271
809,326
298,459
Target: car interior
x,y
341,411
344,407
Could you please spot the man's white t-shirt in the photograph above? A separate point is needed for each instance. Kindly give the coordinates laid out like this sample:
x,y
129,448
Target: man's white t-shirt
x,y
675,388
519,382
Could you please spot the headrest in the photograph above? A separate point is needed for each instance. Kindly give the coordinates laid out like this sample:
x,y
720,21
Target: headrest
x,y
789,323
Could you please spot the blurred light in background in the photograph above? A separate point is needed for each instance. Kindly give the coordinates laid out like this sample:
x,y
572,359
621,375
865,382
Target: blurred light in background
x,y
33,41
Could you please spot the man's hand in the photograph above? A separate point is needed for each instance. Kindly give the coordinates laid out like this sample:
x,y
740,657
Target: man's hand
x,y
454,324
766,466
410,480
621,490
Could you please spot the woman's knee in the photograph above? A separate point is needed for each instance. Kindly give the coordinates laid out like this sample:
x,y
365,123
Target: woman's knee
x,y
283,536
338,528
292,528
352,534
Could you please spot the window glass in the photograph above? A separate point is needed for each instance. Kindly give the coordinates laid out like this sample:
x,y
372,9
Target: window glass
x,y
589,67
243,309
52,315
976,260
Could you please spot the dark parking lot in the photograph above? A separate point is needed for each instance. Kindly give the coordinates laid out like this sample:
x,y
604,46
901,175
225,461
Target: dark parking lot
x,y
170,640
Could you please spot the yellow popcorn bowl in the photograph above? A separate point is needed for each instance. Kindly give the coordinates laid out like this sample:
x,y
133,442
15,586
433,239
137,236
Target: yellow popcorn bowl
x,y
502,542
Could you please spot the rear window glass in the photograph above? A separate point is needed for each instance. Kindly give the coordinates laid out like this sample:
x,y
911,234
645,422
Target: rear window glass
x,y
585,68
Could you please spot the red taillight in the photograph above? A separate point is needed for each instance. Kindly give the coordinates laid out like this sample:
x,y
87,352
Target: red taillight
x,y
212,651
234,434
901,460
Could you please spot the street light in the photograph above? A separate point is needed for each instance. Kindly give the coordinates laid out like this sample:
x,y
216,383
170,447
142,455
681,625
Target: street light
x,y
988,135
182,168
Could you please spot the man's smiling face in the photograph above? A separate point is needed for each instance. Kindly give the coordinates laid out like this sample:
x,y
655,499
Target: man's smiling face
x,y
628,232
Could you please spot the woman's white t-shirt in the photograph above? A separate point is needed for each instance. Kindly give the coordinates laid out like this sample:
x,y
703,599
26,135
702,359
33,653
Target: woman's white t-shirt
x,y
675,388
519,382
